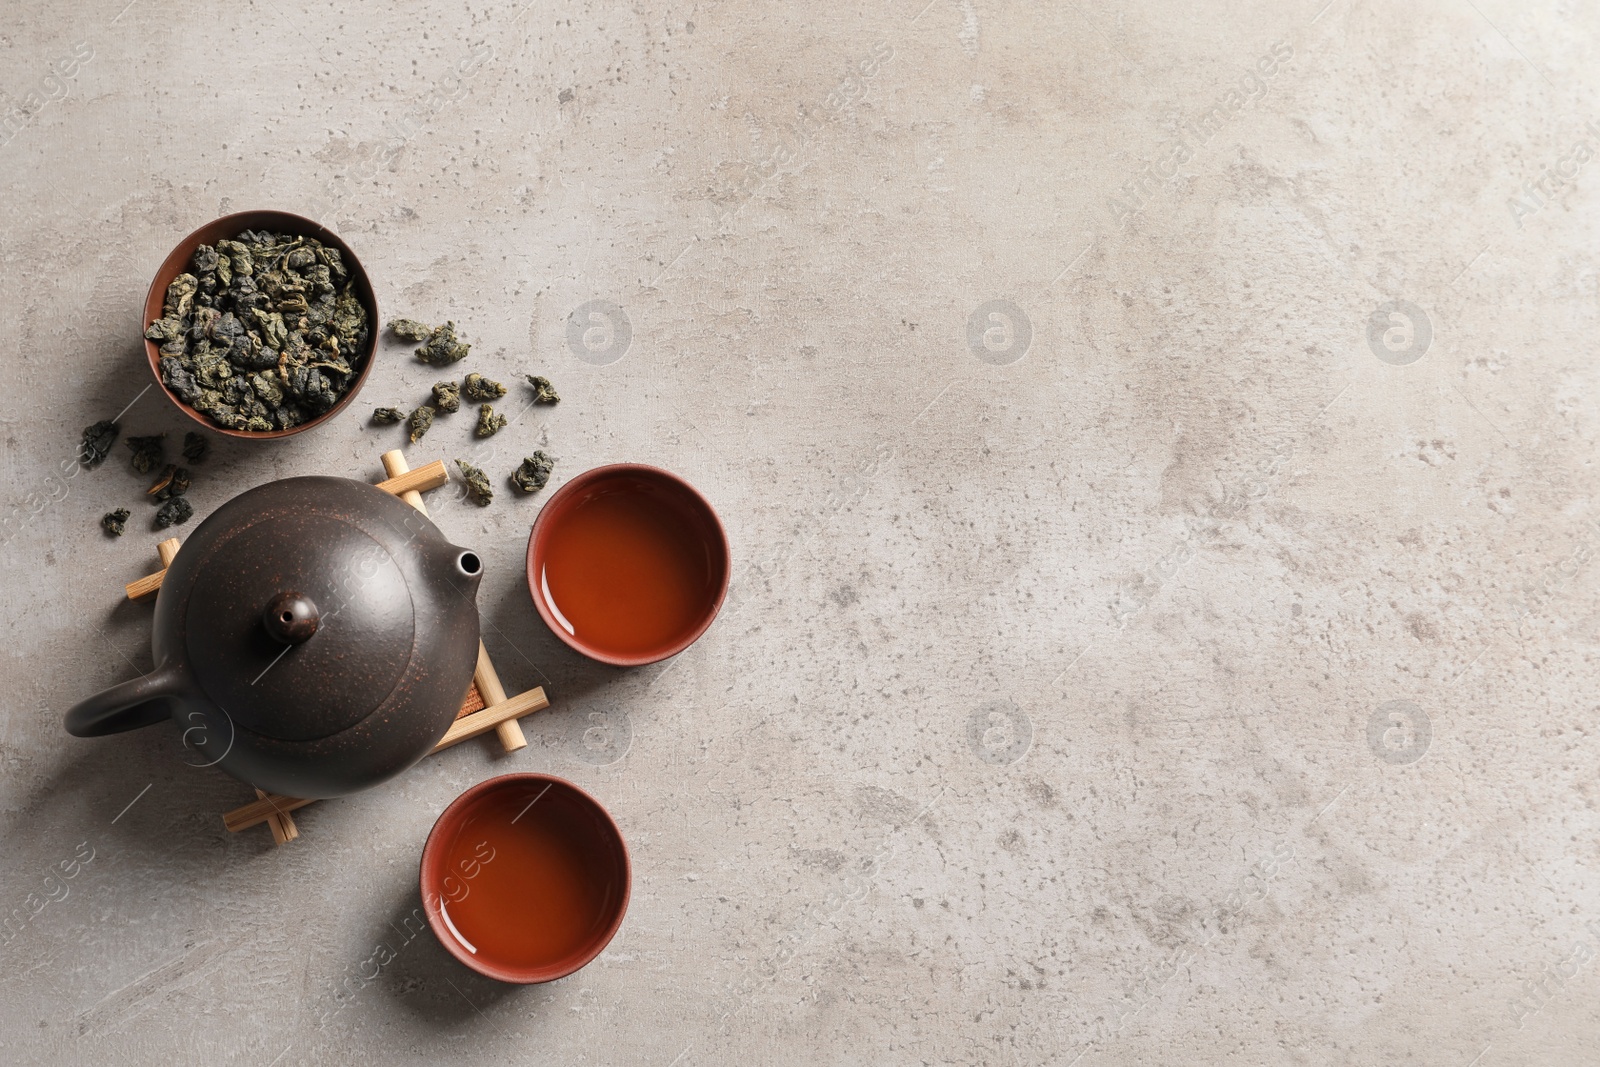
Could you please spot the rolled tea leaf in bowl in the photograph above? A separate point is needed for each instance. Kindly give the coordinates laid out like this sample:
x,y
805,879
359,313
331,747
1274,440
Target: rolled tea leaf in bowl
x,y
260,334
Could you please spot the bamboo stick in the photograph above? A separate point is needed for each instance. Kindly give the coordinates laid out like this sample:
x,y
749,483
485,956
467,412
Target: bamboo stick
x,y
258,811
150,584
408,482
168,551
145,587
395,465
282,823
493,717
488,682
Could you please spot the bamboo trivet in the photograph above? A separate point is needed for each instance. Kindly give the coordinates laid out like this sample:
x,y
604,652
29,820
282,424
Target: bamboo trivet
x,y
485,708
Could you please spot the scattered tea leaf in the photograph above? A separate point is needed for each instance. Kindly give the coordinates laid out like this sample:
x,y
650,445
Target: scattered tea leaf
x,y
148,452
97,442
443,347
489,423
534,474
420,421
447,396
477,389
410,329
543,391
174,481
163,480
478,487
114,522
175,511
388,415
196,447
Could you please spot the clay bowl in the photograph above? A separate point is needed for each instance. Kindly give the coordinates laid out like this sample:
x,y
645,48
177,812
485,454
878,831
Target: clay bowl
x,y
525,878
220,230
656,592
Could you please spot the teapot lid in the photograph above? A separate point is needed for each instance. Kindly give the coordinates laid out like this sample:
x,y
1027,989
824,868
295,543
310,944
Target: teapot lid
x,y
300,623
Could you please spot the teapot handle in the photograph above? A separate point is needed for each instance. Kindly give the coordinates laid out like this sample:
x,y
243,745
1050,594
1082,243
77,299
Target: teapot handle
x,y
135,703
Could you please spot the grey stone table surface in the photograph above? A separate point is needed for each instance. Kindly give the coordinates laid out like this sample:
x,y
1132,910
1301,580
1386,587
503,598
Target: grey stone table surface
x,y
1158,444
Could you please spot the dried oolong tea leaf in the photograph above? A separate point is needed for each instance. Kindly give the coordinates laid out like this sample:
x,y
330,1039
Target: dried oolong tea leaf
x,y
174,481
420,421
447,397
477,388
163,480
97,442
265,334
543,391
148,452
179,484
478,487
443,347
196,447
179,302
175,511
388,415
114,522
489,423
534,474
410,329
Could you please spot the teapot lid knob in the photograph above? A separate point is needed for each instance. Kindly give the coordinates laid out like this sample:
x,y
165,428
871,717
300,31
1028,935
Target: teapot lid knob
x,y
291,618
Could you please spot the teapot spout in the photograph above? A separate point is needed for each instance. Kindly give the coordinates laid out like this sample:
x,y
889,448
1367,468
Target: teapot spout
x,y
466,570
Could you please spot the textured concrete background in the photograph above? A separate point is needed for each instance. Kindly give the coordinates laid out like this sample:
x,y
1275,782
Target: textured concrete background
x,y
1158,446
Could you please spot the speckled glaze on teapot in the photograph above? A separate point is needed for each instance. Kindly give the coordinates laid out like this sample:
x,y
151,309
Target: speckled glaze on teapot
x,y
313,637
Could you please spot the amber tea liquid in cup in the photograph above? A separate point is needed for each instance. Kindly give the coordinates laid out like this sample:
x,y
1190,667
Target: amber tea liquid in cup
x,y
628,564
525,878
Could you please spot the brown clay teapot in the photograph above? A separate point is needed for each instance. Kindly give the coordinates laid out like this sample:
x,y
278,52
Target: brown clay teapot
x,y
313,636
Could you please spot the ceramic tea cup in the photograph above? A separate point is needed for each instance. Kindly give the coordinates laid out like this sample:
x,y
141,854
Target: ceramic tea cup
x,y
628,564
177,262
525,878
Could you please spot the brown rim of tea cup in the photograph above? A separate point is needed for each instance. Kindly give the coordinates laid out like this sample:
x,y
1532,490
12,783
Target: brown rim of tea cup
x,y
222,229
